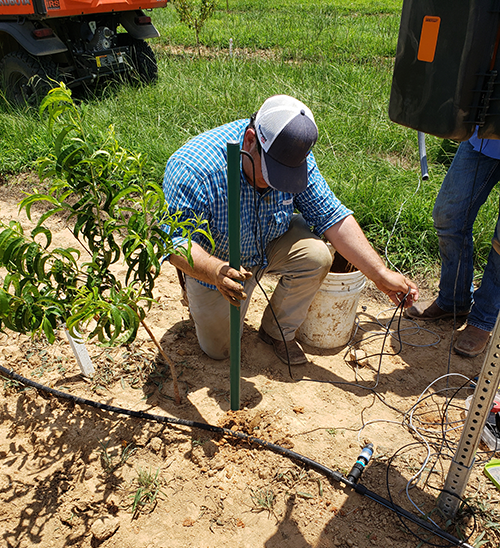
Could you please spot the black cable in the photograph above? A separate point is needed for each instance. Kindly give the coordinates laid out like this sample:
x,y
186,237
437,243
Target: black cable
x,y
399,511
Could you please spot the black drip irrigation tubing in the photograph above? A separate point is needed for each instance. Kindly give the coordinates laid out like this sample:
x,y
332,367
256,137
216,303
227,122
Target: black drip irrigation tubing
x,y
324,470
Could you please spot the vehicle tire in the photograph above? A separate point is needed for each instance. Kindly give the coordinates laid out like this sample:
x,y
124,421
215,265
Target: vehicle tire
x,y
144,61
26,79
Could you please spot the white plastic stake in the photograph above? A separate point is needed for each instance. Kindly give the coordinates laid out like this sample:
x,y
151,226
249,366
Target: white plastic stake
x,y
230,47
82,355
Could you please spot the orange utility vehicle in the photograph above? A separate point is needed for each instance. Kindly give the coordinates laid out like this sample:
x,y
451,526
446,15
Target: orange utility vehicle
x,y
74,41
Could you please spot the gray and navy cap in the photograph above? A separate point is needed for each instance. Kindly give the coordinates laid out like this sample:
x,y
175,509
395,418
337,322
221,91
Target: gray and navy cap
x,y
287,132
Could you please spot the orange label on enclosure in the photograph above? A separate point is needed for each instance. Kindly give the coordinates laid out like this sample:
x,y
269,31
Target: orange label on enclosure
x,y
428,38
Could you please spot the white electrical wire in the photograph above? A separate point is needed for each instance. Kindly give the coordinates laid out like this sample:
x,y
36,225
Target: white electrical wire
x,y
416,476
386,251
408,419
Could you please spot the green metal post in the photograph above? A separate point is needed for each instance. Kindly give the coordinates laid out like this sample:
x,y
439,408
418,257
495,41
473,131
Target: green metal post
x,y
233,204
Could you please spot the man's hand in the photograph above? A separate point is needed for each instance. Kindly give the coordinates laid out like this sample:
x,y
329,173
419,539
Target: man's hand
x,y
227,280
397,287
348,239
211,270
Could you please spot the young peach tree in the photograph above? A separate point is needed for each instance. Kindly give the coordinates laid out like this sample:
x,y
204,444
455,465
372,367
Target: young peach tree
x,y
194,14
117,214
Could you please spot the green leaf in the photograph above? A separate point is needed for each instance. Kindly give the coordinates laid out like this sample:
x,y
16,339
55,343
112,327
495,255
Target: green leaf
x,y
5,237
49,214
30,255
39,266
4,302
11,249
45,231
67,156
48,330
54,97
117,318
70,253
28,202
62,135
121,195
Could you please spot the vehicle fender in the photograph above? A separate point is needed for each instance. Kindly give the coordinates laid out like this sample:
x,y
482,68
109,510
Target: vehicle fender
x,y
127,20
22,34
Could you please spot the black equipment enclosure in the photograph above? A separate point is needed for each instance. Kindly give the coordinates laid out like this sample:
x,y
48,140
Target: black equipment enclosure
x,y
446,73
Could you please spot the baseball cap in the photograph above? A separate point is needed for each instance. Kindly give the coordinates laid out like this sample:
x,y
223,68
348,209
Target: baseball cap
x,y
286,131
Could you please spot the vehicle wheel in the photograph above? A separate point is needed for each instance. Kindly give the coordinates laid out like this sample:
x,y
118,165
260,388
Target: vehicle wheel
x,y
26,79
144,61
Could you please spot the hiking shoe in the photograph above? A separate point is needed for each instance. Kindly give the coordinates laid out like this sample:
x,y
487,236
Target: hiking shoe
x,y
471,341
430,311
295,353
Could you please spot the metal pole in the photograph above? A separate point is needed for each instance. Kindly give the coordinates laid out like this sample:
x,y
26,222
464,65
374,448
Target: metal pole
x,y
482,402
233,204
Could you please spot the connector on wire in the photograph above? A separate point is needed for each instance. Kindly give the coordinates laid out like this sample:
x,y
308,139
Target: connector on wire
x,y
359,466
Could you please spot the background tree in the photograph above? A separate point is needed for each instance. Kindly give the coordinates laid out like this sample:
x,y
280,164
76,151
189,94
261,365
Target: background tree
x,y
194,13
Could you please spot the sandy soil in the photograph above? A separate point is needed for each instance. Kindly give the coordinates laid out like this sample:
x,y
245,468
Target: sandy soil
x,y
73,475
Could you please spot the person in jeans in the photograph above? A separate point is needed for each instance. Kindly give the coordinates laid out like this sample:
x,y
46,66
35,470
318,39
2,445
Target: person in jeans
x,y
279,176
473,174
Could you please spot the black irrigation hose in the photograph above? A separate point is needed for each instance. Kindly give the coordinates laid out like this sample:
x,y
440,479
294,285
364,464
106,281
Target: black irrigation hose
x,y
325,471
336,476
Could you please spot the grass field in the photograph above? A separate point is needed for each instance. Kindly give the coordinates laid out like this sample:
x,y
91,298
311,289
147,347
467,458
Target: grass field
x,y
336,56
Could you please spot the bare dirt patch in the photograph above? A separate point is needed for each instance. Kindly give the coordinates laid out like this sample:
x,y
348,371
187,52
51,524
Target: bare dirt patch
x,y
73,475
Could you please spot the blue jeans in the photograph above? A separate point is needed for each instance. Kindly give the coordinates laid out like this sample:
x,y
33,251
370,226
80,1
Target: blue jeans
x,y
465,188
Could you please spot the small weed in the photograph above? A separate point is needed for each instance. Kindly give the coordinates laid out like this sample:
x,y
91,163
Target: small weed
x,y
297,479
304,495
109,462
263,499
147,491
292,477
482,507
332,431
13,385
40,371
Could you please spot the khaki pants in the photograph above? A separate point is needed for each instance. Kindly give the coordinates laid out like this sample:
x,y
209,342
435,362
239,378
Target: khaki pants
x,y
300,257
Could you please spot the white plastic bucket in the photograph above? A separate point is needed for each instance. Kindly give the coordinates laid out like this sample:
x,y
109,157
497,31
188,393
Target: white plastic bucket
x,y
330,319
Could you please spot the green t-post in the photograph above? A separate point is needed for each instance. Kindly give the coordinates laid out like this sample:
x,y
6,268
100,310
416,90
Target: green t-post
x,y
233,205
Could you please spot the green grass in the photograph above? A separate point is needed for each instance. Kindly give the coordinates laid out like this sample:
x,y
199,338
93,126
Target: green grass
x,y
148,488
336,56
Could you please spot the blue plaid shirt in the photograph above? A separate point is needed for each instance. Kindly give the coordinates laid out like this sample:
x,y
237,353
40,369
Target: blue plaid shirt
x,y
195,182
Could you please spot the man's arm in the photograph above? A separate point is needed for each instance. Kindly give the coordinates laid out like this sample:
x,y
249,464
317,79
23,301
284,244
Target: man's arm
x,y
349,240
211,270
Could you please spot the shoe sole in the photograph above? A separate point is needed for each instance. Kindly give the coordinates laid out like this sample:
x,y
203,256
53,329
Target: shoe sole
x,y
467,354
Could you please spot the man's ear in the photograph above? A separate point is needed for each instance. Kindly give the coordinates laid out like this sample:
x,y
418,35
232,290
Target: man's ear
x,y
250,139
